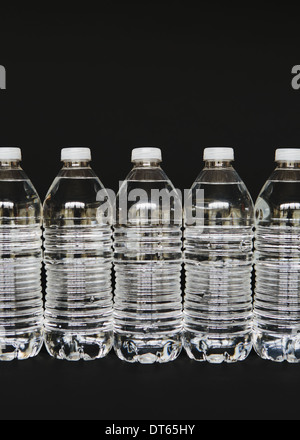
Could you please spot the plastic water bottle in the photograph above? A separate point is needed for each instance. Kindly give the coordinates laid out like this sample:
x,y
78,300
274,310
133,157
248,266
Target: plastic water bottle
x,y
218,263
21,305
276,329
148,264
78,260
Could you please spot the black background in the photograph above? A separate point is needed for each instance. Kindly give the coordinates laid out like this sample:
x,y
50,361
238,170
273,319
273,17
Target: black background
x,y
149,74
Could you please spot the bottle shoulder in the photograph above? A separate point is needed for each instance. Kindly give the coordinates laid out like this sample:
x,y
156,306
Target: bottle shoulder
x,y
148,197
78,194
219,176
279,200
148,174
148,181
223,196
19,200
79,185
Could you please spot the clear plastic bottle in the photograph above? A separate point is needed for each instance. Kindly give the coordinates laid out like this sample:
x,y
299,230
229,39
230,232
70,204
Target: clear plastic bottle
x,y
78,260
276,328
21,305
218,263
148,264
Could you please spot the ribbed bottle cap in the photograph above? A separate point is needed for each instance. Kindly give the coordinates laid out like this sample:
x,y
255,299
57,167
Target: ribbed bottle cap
x,y
76,154
10,153
218,154
287,155
146,154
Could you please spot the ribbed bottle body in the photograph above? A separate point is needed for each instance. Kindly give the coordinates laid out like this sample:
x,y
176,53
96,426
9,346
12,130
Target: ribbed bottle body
x,y
276,329
78,261
21,304
148,264
218,262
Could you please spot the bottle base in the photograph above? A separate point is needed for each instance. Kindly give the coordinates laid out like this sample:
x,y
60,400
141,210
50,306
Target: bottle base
x,y
20,346
147,351
76,347
217,349
277,348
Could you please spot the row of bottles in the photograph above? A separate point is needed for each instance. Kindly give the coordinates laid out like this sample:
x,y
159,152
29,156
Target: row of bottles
x,y
149,320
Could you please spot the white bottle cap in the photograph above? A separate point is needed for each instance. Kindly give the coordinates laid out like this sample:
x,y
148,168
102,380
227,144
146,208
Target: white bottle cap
x,y
218,154
10,153
76,154
139,154
287,155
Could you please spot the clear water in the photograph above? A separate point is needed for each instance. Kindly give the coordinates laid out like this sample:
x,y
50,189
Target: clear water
x,y
218,263
21,305
276,329
148,264
78,260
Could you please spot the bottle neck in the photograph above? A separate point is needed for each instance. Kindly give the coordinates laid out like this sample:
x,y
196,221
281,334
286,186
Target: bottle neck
x,y
147,164
218,164
10,164
288,165
76,164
